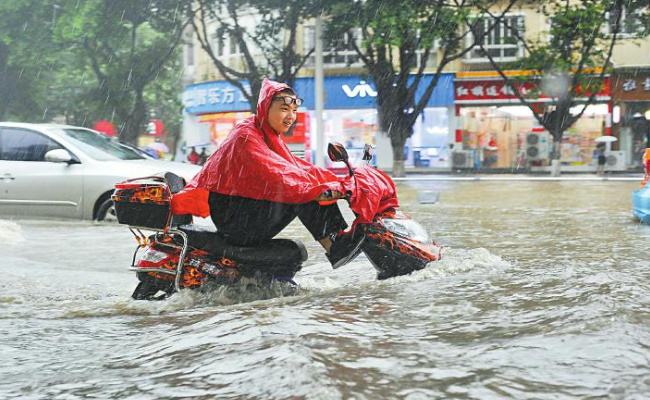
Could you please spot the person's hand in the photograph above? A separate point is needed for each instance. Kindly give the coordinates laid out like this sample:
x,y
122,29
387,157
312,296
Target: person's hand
x,y
330,195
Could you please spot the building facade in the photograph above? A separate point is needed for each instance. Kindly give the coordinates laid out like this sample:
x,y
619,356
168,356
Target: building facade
x,y
472,121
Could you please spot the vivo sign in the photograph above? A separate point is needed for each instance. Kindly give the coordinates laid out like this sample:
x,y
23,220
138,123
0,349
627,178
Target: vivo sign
x,y
361,90
340,92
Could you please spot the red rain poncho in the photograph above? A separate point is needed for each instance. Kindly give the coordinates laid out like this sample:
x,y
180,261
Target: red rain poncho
x,y
254,162
373,192
646,165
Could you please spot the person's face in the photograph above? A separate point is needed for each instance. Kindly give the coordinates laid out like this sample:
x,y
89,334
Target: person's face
x,y
282,116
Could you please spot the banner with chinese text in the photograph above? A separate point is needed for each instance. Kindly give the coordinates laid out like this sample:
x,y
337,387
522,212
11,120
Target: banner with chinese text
x,y
496,91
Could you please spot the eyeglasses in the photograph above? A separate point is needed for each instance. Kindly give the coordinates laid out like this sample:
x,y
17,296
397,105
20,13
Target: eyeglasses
x,y
288,100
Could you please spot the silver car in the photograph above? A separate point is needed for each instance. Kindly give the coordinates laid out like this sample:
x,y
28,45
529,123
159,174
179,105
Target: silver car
x,y
62,171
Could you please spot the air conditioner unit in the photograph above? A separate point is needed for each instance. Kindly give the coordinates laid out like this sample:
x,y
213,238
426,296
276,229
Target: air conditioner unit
x,y
615,161
462,159
537,146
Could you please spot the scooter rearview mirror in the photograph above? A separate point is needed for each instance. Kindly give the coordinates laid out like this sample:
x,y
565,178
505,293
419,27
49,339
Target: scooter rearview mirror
x,y
337,152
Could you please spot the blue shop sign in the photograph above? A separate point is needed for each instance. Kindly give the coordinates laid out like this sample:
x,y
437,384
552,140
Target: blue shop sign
x,y
341,92
214,97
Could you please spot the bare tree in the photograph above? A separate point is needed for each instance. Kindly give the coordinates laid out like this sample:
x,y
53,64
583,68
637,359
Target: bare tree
x,y
393,35
569,65
264,34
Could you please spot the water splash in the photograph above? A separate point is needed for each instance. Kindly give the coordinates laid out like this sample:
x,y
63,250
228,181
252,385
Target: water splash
x,y
11,233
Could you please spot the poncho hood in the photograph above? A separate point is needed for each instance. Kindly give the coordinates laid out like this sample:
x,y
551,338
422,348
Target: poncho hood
x,y
254,162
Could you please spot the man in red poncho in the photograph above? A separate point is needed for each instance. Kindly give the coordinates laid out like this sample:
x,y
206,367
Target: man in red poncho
x,y
253,187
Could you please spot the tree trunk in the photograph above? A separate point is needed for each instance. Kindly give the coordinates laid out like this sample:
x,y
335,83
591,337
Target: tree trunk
x,y
397,126
256,86
563,121
5,86
175,136
556,164
397,144
134,123
557,148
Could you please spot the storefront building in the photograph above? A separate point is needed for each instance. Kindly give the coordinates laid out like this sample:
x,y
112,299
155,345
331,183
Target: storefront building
x,y
631,113
495,130
212,109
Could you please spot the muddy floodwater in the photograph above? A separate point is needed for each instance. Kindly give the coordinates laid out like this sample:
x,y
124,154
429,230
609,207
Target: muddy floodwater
x,y
543,293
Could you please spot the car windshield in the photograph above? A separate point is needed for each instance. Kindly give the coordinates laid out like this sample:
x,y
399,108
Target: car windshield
x,y
99,146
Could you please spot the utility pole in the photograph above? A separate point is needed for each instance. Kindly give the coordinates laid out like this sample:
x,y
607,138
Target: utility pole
x,y
319,95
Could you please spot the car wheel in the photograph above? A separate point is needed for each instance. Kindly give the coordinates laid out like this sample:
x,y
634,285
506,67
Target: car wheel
x,y
106,212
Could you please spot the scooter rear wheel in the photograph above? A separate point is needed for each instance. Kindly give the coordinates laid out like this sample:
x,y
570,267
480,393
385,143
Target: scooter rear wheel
x,y
150,287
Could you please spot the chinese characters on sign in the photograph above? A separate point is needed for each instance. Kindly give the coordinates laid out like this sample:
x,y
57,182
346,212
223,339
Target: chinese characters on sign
x,y
201,96
631,84
497,90
488,90
631,88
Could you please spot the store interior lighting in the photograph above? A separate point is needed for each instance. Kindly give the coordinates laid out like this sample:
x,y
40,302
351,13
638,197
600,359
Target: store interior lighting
x,y
517,111
524,111
592,109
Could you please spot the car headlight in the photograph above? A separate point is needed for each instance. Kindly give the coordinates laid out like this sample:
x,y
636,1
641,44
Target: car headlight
x,y
407,227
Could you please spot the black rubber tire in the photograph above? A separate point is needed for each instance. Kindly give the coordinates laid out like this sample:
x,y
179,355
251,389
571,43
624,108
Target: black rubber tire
x,y
105,210
150,286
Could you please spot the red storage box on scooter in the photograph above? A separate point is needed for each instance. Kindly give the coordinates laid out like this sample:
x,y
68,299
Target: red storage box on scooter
x,y
143,203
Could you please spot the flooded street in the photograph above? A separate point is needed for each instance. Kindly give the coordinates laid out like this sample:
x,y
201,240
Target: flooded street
x,y
543,293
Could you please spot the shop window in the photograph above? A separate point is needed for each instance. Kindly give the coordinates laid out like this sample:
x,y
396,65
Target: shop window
x,y
226,47
432,60
339,54
501,43
188,39
631,22
234,47
429,145
220,47
353,128
309,41
189,54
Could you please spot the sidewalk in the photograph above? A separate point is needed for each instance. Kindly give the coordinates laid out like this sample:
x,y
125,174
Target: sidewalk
x,y
541,171
504,174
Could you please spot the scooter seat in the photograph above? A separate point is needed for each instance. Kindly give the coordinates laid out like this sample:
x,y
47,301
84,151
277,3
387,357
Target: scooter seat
x,y
274,254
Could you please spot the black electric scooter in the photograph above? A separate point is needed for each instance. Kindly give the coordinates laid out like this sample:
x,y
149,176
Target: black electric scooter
x,y
181,255
395,244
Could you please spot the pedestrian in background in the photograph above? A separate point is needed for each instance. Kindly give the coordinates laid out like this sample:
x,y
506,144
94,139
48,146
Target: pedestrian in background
x,y
602,159
193,157
203,157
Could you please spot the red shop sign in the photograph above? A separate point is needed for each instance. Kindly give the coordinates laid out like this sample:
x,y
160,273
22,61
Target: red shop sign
x,y
490,91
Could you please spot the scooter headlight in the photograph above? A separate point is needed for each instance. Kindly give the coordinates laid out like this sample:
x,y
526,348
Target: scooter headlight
x,y
408,228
